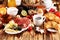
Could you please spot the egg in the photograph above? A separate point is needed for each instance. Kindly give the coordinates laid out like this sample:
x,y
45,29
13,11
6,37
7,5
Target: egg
x,y
24,13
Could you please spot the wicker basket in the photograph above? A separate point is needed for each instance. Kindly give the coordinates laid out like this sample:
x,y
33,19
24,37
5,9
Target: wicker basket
x,y
33,3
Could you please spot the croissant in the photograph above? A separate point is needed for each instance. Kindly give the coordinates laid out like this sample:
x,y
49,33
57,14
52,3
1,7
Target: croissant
x,y
58,27
54,25
51,24
52,17
47,24
3,11
57,19
49,16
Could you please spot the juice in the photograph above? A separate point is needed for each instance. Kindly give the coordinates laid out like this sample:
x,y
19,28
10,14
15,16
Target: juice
x,y
11,3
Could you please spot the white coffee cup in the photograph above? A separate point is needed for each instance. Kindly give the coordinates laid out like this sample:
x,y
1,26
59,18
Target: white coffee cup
x,y
38,19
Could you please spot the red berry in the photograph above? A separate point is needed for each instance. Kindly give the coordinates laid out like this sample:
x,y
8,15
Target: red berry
x,y
29,16
57,14
30,28
0,15
1,26
52,10
9,17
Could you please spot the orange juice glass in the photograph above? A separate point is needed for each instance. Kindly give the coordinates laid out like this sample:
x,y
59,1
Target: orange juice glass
x,y
11,3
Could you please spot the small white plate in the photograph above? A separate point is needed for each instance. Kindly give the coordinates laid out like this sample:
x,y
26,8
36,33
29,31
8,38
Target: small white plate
x,y
52,30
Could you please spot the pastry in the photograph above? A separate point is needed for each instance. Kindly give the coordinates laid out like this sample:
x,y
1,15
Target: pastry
x,y
50,16
3,11
51,24
47,24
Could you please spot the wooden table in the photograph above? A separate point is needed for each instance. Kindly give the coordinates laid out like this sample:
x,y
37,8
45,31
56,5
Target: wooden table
x,y
29,36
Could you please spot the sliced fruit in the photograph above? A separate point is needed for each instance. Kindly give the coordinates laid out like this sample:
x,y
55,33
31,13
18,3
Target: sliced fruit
x,y
52,10
30,28
24,13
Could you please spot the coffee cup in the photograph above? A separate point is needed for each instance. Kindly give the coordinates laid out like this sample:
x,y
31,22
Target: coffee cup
x,y
38,19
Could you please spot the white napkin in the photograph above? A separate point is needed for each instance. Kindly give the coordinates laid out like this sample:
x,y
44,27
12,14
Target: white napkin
x,y
49,4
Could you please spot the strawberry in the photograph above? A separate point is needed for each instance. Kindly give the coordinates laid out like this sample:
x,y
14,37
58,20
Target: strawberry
x,y
0,15
28,16
52,10
1,25
30,28
57,14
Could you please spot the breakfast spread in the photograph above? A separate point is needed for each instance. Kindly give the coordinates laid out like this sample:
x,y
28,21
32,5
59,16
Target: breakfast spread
x,y
23,15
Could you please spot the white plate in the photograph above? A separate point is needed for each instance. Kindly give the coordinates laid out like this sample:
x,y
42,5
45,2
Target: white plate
x,y
52,30
18,31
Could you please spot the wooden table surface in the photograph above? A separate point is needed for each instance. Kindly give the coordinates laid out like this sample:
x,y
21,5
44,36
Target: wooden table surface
x,y
29,36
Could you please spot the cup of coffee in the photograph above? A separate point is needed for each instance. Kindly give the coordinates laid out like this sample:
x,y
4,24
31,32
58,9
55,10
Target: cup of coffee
x,y
38,19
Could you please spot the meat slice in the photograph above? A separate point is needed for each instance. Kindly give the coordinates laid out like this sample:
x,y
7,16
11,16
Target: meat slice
x,y
22,22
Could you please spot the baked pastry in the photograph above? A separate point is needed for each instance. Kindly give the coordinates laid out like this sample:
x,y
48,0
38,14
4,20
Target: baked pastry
x,y
3,11
51,24
32,11
50,16
47,24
